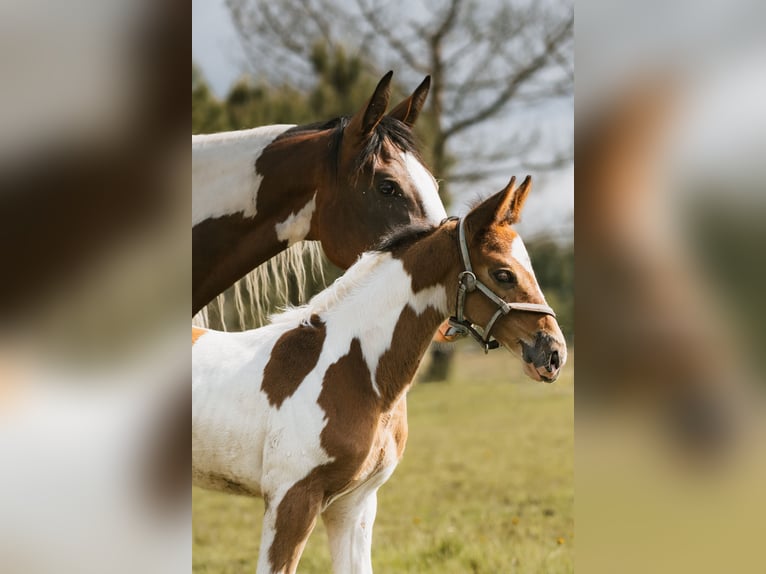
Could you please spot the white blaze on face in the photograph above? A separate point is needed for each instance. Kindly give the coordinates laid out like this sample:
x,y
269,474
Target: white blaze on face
x,y
297,225
519,253
427,188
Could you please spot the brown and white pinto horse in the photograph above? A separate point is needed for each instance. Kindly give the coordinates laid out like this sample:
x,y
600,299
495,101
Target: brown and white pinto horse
x,y
310,411
345,183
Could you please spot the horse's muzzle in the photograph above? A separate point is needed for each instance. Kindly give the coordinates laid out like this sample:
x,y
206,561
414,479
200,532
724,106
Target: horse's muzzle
x,y
543,360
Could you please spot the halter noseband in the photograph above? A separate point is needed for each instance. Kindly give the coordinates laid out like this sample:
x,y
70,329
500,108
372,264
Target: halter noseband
x,y
459,325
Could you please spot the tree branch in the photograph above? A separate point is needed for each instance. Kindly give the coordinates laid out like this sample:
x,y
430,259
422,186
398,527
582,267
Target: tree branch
x,y
448,22
515,82
370,12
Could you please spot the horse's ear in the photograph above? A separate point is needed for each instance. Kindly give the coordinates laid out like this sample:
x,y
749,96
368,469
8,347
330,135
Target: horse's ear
x,y
509,209
365,120
502,208
408,109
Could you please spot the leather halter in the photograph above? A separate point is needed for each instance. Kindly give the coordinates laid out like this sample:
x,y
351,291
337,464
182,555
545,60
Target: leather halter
x,y
459,325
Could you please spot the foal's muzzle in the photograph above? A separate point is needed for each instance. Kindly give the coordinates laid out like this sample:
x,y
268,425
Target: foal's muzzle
x,y
543,360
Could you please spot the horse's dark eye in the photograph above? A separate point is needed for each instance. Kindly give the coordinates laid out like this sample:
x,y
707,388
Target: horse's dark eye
x,y
504,276
387,187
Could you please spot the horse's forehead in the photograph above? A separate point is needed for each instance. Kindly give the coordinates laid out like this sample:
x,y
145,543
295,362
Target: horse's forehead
x,y
520,254
510,243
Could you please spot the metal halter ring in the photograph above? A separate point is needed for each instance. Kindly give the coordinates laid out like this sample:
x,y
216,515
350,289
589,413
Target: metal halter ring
x,y
468,280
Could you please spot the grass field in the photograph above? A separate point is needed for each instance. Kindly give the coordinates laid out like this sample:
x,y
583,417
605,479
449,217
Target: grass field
x,y
486,484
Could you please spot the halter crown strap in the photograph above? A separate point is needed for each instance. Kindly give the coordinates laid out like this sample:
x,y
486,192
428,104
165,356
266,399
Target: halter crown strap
x,y
467,282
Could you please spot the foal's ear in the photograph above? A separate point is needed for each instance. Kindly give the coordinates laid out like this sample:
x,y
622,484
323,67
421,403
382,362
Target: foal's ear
x,y
365,120
408,109
502,208
512,200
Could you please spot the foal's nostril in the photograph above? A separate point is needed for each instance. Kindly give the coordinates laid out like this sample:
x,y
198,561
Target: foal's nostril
x,y
554,362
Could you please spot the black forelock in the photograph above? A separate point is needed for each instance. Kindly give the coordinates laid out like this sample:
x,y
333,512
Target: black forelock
x,y
392,130
388,129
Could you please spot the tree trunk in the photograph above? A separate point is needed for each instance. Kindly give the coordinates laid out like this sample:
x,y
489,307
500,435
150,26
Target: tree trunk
x,y
441,363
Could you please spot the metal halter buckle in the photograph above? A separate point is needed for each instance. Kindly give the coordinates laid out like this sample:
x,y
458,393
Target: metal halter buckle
x,y
468,280
459,325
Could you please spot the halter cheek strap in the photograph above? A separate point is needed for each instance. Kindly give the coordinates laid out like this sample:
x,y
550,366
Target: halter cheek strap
x,y
460,326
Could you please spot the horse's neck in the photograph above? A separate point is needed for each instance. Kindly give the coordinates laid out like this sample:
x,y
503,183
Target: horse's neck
x,y
246,210
393,306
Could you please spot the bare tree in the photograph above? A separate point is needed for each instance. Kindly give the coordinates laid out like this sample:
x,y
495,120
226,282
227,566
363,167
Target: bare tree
x,y
493,64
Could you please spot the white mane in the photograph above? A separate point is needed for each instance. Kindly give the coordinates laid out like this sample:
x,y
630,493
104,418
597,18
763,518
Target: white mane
x,y
273,284
356,278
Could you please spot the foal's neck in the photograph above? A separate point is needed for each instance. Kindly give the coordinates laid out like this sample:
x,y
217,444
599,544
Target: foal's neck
x,y
393,303
253,196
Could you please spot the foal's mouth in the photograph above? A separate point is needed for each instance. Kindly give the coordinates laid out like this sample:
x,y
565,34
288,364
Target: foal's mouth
x,y
540,362
531,371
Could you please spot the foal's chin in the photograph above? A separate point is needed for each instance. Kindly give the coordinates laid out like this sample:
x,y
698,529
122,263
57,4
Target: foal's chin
x,y
529,368
531,371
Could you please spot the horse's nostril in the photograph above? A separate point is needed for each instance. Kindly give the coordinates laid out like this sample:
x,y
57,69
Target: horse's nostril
x,y
554,362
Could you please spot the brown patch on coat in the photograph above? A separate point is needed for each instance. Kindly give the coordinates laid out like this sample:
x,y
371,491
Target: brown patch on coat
x,y
284,189
296,517
389,442
197,332
438,247
293,357
397,366
352,411
226,248
435,248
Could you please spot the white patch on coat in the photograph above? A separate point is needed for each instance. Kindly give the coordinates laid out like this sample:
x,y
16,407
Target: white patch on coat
x,y
224,179
297,225
427,187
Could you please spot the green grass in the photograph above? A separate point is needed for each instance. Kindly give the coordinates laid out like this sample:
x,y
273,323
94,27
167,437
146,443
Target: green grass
x,y
486,484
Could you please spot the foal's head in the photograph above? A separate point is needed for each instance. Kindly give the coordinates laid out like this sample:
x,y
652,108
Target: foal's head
x,y
501,262
381,182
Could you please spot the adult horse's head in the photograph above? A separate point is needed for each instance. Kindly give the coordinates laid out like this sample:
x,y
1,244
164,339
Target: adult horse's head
x,y
380,182
501,291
